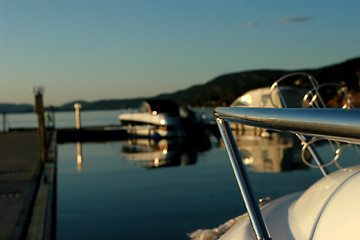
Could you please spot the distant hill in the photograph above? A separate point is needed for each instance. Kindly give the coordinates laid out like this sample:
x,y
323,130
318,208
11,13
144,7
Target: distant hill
x,y
224,88
13,108
103,104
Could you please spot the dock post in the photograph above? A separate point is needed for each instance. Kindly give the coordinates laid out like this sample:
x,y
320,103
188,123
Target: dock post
x,y
39,110
52,112
4,122
77,107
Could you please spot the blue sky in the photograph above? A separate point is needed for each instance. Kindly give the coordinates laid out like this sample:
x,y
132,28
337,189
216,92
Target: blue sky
x,y
113,49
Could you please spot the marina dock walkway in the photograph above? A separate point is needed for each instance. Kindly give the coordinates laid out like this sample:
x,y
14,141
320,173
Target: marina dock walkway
x,y
26,187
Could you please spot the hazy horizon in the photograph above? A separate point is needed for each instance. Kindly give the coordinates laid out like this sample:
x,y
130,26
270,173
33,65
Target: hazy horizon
x,y
93,50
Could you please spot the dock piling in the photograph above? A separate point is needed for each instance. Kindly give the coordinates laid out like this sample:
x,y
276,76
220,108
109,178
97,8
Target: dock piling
x,y
39,110
77,107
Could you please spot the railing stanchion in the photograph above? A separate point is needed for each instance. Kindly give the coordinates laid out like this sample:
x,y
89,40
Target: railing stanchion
x,y
252,207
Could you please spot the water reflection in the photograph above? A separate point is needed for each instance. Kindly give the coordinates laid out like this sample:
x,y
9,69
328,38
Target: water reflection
x,y
274,153
79,157
164,153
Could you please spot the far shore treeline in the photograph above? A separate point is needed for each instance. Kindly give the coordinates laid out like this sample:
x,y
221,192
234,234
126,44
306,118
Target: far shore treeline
x,y
223,89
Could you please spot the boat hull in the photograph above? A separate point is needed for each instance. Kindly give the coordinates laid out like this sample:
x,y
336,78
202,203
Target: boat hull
x,y
147,125
327,210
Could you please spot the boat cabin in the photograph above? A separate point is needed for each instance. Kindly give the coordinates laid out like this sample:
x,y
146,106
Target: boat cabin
x,y
163,106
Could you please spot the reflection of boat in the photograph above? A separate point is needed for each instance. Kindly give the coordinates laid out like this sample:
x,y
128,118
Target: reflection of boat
x,y
163,153
270,154
156,118
149,153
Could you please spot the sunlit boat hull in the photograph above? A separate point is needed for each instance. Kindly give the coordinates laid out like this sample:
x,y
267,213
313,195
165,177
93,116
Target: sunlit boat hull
x,y
156,119
150,126
327,210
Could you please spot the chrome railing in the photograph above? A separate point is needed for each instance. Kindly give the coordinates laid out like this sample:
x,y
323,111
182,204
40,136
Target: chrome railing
x,y
238,166
313,99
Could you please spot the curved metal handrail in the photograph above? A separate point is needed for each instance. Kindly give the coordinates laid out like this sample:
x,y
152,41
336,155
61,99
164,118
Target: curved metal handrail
x,y
314,95
276,85
335,124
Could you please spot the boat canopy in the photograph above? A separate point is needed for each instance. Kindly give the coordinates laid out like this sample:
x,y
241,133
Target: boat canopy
x,y
156,106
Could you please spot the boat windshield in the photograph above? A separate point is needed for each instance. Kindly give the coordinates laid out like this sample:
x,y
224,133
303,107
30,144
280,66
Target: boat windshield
x,y
293,97
144,108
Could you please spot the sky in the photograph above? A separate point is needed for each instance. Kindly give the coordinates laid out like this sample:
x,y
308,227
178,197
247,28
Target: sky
x,y
116,49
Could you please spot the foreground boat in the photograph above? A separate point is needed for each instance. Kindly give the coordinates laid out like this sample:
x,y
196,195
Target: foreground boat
x,y
329,208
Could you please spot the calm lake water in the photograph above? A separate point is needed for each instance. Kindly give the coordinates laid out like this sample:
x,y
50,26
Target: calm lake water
x,y
142,190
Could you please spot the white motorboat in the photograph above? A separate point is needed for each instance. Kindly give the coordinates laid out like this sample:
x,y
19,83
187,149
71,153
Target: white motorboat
x,y
156,119
267,97
294,90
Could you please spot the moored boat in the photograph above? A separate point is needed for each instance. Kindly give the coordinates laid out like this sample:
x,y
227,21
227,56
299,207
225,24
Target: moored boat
x,y
156,119
266,97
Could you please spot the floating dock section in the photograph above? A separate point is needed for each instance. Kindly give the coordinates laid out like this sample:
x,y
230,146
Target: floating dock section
x,y
89,134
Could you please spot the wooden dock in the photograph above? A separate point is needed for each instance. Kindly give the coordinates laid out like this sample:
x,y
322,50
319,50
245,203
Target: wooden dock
x,y
27,187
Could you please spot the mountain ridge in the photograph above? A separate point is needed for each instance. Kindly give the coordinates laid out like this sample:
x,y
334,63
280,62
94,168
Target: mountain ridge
x,y
221,89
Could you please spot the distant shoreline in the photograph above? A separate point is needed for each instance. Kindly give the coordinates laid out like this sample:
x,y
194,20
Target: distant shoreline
x,y
222,89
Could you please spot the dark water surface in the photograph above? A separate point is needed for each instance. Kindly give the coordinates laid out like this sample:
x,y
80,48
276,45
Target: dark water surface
x,y
121,195
140,190
117,198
